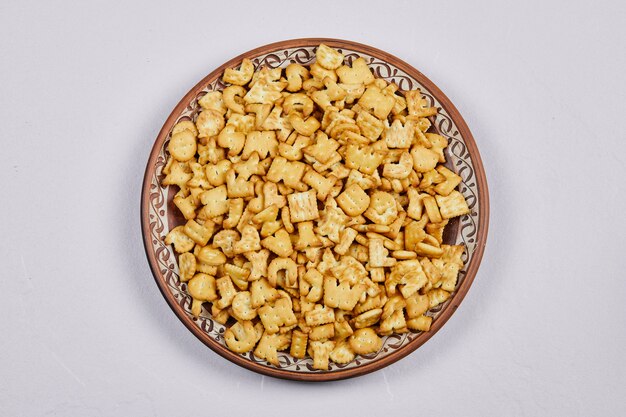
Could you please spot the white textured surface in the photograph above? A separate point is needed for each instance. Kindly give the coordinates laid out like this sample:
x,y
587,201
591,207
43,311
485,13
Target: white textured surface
x,y
85,89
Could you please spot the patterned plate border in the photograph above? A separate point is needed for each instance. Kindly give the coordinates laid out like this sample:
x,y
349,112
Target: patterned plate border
x,y
462,156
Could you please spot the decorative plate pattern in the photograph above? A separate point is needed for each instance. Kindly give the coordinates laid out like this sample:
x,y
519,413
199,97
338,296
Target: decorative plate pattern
x,y
160,215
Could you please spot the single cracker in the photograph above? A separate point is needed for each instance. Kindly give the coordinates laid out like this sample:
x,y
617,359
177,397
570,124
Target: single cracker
x,y
353,201
303,206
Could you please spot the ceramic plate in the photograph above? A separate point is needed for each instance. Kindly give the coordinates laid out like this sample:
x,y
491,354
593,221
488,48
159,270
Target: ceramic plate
x,y
159,215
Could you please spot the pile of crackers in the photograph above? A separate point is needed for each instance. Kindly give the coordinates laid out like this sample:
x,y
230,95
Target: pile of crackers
x,y
315,202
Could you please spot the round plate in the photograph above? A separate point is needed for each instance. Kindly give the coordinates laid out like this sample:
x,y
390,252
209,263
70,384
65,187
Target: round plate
x,y
159,215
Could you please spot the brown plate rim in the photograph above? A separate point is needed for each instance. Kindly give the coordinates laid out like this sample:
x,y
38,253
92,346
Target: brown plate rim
x,y
455,300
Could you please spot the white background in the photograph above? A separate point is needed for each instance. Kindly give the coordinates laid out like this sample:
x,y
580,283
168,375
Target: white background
x,y
84,90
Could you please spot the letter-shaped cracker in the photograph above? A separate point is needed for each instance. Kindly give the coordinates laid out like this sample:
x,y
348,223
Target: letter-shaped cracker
x,y
235,210
296,73
349,269
245,169
303,206
289,172
306,237
293,152
315,281
250,241
242,336
215,201
452,180
238,275
382,208
290,279
421,323
179,173
365,341
424,159
378,254
452,205
363,158
304,127
279,314
320,73
242,306
452,263
227,292
342,353
210,152
186,266
341,295
182,243
201,287
437,296
394,323
321,353
262,292
358,74
380,102
266,88
271,196
232,97
199,178
213,100
270,344
369,318
209,123
240,76
225,240
298,344
409,274
323,332
401,170
398,135
417,105
328,57
319,315
280,243
258,259
216,173
437,143
332,220
320,183
264,143
416,305
346,237
370,126
353,201
211,256
323,149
